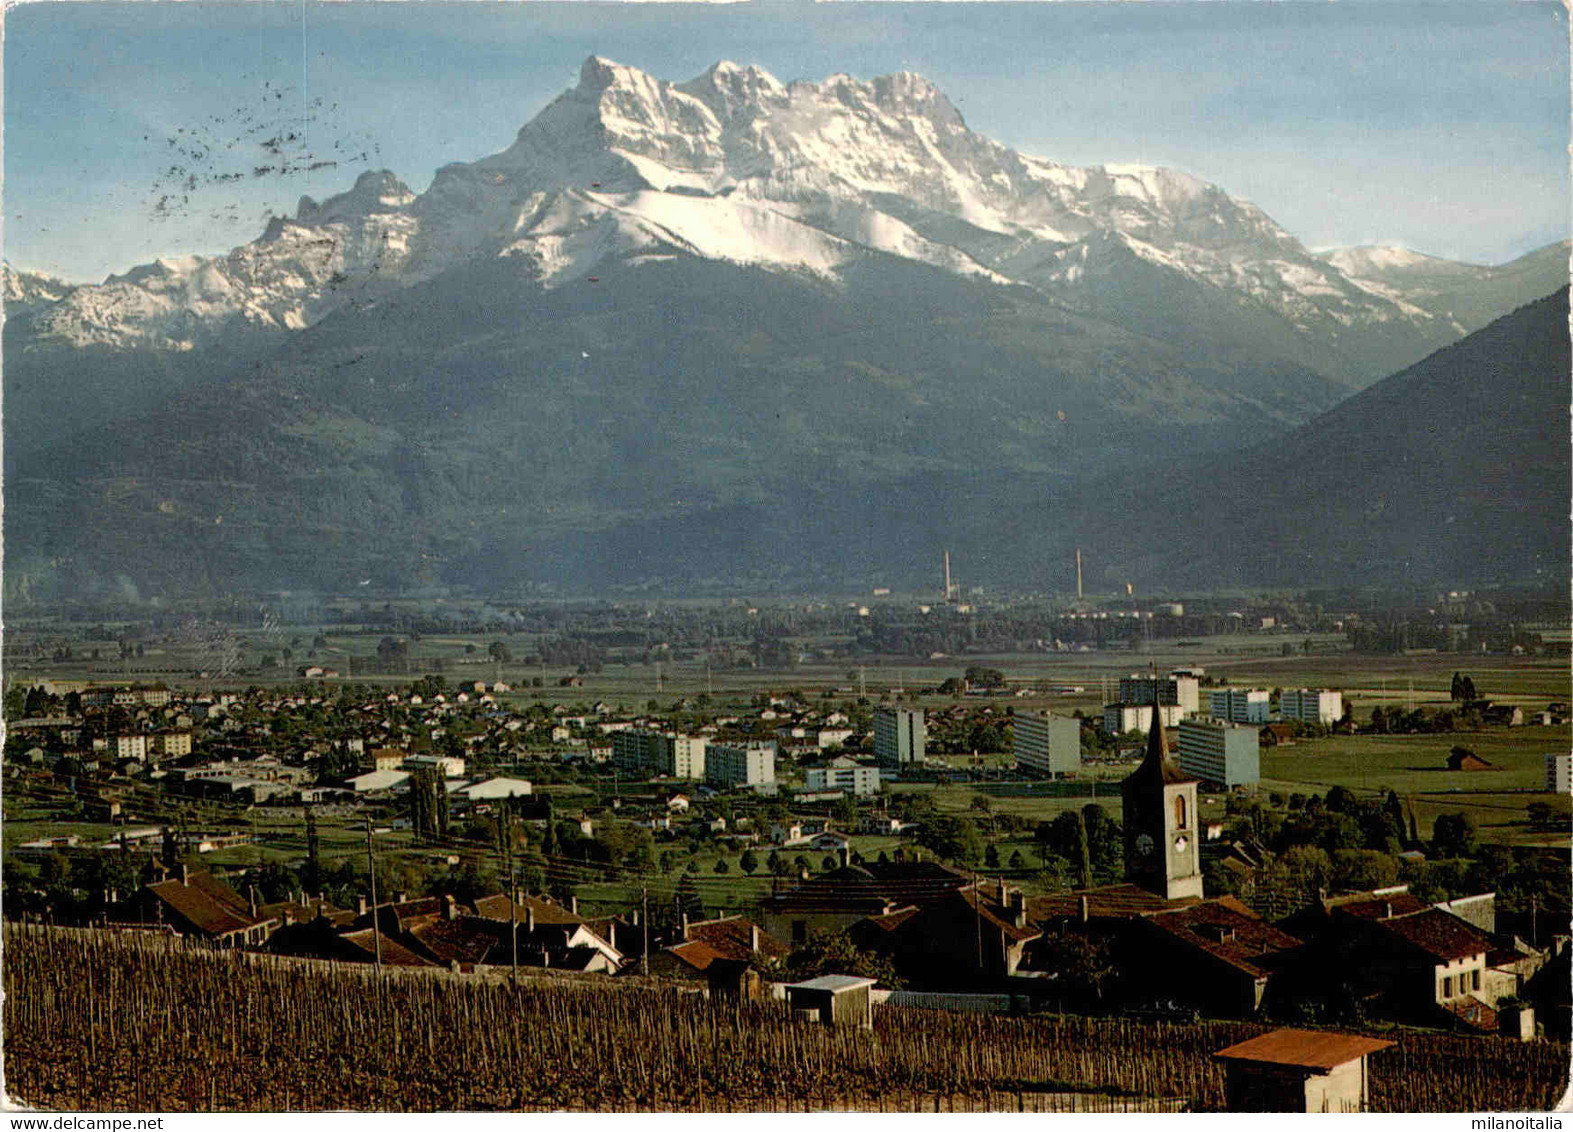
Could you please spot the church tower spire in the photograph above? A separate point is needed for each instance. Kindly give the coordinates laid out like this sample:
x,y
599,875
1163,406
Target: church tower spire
x,y
1162,850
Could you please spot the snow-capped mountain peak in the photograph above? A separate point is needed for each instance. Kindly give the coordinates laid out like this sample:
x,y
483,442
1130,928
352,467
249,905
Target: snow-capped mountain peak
x,y
735,164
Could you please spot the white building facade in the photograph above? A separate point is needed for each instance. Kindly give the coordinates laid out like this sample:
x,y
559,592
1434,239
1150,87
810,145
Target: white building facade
x,y
1311,705
1241,705
1047,743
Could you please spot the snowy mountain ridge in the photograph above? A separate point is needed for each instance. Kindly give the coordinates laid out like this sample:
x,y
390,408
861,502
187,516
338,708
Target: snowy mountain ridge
x,y
735,165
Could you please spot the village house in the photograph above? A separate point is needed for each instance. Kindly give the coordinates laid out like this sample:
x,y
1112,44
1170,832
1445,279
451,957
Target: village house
x,y
196,903
704,943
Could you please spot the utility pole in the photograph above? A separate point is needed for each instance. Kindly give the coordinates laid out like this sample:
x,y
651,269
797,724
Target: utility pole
x,y
862,687
644,923
977,911
371,872
513,901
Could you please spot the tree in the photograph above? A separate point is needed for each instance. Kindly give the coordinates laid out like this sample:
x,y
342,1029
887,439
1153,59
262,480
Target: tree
x,y
953,838
1469,689
748,862
1453,835
1016,862
1084,962
833,953
721,867
991,857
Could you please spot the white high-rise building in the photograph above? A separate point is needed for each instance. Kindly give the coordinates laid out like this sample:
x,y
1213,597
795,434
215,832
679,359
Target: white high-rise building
x,y
1176,688
1559,769
1241,705
1225,754
1311,705
1047,743
736,764
898,736
1120,718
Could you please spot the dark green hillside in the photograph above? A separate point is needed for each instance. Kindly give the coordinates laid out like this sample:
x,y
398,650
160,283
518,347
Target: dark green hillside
x,y
479,428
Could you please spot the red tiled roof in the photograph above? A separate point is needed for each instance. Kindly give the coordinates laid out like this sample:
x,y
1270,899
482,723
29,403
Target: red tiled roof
x,y
1116,901
1440,934
496,907
394,954
1383,907
732,938
204,905
1304,1049
468,939
1227,930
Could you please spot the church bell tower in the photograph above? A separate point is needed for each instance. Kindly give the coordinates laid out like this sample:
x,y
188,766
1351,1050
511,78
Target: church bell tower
x,y
1162,831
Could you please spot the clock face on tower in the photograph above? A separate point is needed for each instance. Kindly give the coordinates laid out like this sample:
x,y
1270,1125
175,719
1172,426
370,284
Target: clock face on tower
x,y
1181,843
1144,845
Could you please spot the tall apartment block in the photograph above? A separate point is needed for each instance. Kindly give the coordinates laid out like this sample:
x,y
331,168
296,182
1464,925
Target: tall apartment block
x,y
1047,743
898,736
1311,705
1120,718
1176,688
736,764
1224,754
1241,705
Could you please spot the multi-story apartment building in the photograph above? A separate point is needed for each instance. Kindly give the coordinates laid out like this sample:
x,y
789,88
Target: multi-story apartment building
x,y
843,774
1311,705
1047,743
1120,718
1240,705
1224,754
898,736
1182,689
129,746
730,765
1559,769
659,752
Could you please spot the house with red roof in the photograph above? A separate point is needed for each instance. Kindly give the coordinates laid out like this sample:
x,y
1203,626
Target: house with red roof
x,y
196,903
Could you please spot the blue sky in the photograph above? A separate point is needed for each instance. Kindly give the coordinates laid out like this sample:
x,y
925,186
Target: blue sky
x,y
1442,126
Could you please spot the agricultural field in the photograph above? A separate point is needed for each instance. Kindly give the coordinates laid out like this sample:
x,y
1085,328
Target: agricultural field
x,y
1415,766
168,1027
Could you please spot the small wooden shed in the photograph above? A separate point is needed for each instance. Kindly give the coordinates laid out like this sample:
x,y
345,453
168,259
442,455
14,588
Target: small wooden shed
x,y
1298,1071
836,1000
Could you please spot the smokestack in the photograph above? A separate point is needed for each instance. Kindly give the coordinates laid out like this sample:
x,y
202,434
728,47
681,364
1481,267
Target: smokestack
x,y
529,918
360,905
1078,573
185,874
685,925
753,939
573,905
846,856
450,907
947,576
1084,908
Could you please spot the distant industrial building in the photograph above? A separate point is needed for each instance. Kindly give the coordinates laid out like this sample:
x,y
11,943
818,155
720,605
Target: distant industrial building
x,y
1122,717
843,774
1225,754
1559,770
1175,688
898,736
729,765
1241,705
1047,743
1311,705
